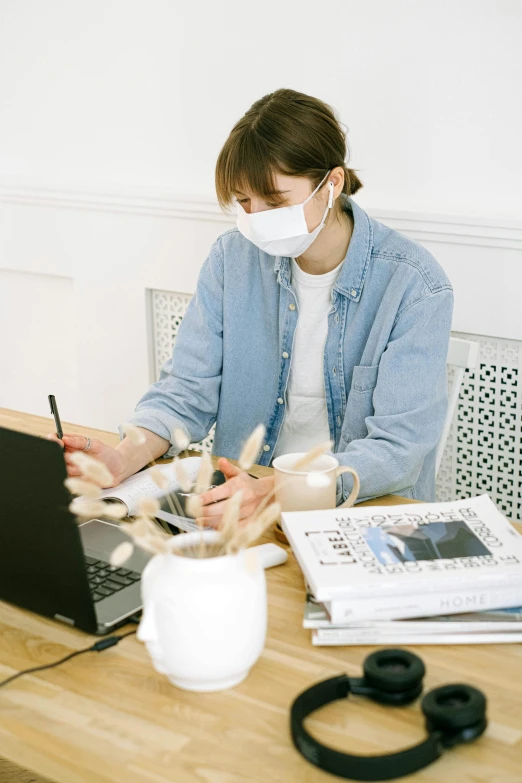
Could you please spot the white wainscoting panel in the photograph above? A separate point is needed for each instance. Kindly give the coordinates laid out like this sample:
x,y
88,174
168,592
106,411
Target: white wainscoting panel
x,y
38,352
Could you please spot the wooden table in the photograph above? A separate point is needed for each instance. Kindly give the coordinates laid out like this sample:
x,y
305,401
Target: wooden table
x,y
110,718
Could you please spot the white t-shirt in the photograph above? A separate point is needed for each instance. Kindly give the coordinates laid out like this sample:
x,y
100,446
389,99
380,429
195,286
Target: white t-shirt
x,y
306,417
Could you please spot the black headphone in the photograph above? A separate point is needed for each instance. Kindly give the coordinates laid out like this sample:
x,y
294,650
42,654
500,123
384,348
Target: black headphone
x,y
454,714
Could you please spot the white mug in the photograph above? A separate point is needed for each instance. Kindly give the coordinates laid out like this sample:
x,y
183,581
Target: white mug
x,y
295,491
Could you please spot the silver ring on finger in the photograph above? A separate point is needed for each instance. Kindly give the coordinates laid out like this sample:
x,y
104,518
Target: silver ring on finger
x,y
87,445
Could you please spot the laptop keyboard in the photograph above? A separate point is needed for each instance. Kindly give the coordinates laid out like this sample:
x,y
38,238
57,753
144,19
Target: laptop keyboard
x,y
104,579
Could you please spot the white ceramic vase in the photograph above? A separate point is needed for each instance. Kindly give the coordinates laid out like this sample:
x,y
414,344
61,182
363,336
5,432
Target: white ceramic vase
x,y
204,619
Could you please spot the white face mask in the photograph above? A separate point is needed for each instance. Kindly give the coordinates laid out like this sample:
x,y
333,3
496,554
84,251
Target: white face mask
x,y
282,231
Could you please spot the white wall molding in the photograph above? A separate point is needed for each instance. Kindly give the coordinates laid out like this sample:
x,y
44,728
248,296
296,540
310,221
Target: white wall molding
x,y
124,200
454,229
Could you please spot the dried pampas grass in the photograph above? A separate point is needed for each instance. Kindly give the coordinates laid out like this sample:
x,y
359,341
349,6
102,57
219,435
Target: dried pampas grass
x,y
115,511
182,476
194,507
318,480
247,534
309,458
180,439
159,478
134,434
84,506
252,448
78,486
230,520
148,507
139,527
205,473
121,554
147,535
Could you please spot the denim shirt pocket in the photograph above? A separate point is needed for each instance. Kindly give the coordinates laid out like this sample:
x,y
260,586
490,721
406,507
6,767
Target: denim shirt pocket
x,y
360,402
364,379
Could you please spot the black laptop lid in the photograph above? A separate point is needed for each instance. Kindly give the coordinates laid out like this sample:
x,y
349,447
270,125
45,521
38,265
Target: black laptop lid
x,y
41,556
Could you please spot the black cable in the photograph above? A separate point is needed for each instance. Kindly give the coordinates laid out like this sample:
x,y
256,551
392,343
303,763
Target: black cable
x,y
103,644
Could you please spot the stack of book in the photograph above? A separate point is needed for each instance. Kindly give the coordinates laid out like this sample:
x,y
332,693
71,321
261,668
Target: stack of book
x,y
430,573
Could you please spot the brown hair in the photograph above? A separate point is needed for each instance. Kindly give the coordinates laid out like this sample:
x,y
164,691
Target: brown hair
x,y
286,132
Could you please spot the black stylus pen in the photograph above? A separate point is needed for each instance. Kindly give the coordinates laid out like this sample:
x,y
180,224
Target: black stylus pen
x,y
54,411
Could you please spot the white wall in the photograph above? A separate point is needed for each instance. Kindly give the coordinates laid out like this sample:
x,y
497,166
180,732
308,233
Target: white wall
x,y
145,91
40,313
112,113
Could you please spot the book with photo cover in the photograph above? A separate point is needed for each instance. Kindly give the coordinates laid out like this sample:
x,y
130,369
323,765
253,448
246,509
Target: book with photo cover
x,y
411,554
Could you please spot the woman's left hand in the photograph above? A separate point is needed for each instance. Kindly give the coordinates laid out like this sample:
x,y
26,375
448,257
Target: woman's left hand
x,y
215,500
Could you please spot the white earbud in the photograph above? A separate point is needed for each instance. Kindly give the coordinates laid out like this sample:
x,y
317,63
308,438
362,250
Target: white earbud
x,y
331,195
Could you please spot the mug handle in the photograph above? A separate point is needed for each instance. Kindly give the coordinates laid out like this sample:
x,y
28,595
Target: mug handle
x,y
356,486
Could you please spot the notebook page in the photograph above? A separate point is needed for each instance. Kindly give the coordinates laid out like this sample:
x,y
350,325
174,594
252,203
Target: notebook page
x,y
141,484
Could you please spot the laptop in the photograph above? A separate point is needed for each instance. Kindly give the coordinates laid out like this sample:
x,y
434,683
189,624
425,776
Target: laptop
x,y
49,563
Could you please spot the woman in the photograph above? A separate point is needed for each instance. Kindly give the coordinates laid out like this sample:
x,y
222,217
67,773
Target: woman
x,y
309,317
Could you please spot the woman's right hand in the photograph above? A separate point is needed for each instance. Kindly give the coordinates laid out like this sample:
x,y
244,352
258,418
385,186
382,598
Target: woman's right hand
x,y
110,457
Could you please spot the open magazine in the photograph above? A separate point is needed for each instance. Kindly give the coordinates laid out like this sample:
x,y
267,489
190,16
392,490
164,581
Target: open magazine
x,y
141,485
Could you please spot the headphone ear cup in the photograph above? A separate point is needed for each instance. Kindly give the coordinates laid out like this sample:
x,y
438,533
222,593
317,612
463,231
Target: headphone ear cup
x,y
452,708
393,671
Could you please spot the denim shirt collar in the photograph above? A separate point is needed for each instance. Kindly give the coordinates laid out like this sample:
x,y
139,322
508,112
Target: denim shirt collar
x,y
355,265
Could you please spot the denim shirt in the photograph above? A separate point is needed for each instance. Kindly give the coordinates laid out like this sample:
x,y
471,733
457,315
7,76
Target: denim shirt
x,y
384,358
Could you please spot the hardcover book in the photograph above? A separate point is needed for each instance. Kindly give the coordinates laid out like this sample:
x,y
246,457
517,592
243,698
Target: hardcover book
x,y
411,560
316,617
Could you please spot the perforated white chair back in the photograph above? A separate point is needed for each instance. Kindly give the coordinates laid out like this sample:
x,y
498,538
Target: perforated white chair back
x,y
462,355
